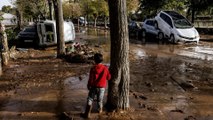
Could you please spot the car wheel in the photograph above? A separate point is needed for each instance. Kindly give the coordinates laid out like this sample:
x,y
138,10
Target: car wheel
x,y
172,39
143,33
160,36
143,36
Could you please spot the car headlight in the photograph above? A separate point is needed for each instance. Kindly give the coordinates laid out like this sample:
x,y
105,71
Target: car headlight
x,y
181,36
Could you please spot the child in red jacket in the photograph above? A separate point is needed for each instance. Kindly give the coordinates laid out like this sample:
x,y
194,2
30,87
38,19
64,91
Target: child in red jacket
x,y
99,74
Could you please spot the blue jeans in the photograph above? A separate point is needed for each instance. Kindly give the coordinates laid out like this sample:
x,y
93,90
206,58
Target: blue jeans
x,y
99,92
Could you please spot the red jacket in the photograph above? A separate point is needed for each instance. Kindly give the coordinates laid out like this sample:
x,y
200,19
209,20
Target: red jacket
x,y
99,74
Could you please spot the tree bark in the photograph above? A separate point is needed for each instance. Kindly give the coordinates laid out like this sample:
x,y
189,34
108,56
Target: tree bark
x,y
118,92
193,14
19,20
3,38
95,23
105,22
50,9
0,64
59,28
193,11
85,20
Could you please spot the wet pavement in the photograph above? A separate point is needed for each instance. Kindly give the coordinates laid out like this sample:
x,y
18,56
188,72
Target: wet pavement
x,y
168,82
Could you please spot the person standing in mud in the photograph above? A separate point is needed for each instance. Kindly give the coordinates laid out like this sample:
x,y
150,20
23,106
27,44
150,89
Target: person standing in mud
x,y
99,74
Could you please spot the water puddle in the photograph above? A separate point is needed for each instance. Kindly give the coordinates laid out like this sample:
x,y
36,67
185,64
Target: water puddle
x,y
205,49
139,53
198,52
77,82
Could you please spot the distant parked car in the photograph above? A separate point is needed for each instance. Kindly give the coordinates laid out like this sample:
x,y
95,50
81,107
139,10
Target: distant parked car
x,y
150,28
176,27
133,25
134,28
82,21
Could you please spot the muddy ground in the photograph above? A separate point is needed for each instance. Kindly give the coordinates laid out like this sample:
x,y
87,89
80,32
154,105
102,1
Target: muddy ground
x,y
164,86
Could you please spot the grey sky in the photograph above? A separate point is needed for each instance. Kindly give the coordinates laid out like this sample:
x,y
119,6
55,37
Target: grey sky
x,y
4,2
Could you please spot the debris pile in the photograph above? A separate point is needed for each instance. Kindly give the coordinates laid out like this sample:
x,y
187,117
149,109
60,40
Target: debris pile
x,y
79,53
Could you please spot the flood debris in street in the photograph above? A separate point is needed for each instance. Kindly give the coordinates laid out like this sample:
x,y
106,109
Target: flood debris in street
x,y
167,83
79,53
190,118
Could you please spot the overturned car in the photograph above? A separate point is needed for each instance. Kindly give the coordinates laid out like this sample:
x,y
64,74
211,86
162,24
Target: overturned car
x,y
43,34
176,27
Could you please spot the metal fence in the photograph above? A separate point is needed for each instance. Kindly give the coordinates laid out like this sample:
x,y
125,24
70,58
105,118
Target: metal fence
x,y
203,23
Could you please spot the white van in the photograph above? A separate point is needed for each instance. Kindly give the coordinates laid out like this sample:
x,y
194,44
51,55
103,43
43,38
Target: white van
x,y
176,27
47,32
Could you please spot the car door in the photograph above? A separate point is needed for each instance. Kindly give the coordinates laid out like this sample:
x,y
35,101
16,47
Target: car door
x,y
153,27
150,27
49,34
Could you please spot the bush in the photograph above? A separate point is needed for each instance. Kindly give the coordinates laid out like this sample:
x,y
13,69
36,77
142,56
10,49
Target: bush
x,y
11,35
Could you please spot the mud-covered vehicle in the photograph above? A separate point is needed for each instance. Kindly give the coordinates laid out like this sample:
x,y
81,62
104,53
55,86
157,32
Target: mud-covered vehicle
x,y
150,29
43,34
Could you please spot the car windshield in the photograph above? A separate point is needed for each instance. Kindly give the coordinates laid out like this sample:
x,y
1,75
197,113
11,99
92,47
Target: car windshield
x,y
182,23
29,29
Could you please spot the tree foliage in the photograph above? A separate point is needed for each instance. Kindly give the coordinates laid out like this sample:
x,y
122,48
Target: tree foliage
x,y
196,7
71,10
1,18
149,8
132,6
33,9
6,9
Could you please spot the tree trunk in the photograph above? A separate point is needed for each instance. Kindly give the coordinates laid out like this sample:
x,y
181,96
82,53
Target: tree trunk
x,y
50,10
85,20
105,22
193,11
193,15
3,38
19,20
78,24
59,28
95,23
118,92
0,64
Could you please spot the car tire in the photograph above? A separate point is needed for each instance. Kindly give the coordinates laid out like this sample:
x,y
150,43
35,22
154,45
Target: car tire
x,y
143,39
172,39
143,33
160,36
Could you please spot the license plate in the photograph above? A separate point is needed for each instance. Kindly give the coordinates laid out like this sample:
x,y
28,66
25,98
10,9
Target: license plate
x,y
28,40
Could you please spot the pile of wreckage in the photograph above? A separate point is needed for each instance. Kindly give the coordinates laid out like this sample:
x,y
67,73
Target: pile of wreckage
x,y
79,53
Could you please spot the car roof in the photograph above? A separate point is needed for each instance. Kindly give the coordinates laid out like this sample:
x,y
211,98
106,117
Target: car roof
x,y
150,19
174,14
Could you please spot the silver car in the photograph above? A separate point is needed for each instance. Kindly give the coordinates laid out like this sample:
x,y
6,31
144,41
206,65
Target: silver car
x,y
176,27
150,27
